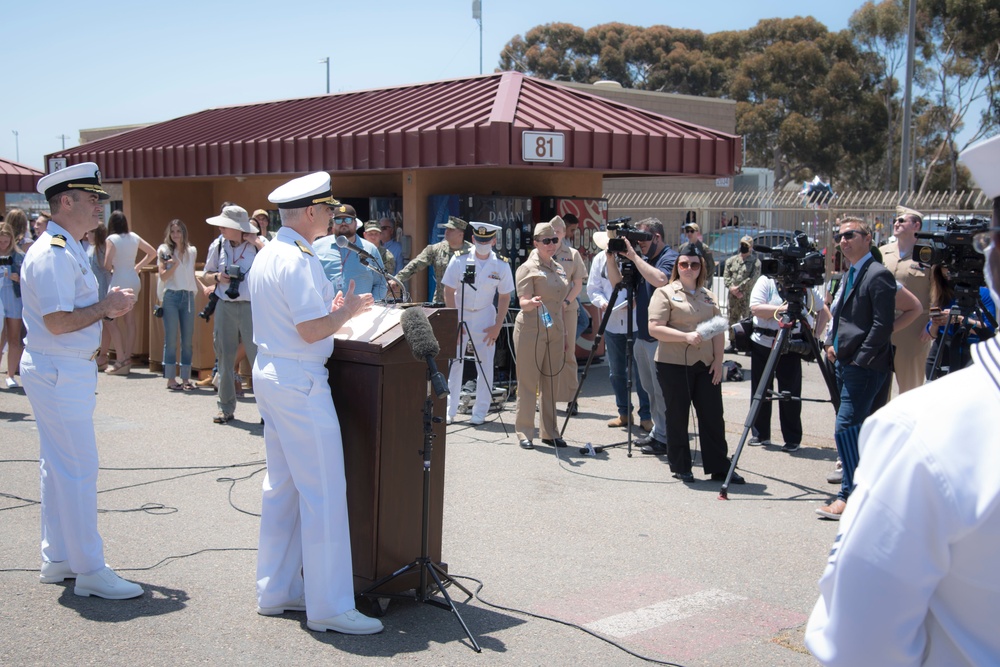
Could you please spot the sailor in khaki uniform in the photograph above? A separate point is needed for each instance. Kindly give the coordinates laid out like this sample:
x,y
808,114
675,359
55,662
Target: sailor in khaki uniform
x,y
304,553
471,282
912,343
576,272
540,337
63,317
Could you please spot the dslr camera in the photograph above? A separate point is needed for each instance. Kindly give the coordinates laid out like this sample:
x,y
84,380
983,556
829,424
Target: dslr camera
x,y
236,276
619,230
793,266
209,309
953,249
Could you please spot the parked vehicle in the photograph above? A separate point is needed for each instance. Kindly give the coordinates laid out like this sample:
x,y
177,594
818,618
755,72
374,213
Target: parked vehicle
x,y
726,242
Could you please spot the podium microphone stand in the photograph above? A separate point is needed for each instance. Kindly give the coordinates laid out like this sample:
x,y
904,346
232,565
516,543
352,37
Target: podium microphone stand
x,y
423,562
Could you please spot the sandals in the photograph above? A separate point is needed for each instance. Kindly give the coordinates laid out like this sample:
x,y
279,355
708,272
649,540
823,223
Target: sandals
x,y
173,386
187,386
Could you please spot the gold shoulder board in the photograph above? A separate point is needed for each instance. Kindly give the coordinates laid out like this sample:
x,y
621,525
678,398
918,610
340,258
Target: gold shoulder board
x,y
58,241
303,248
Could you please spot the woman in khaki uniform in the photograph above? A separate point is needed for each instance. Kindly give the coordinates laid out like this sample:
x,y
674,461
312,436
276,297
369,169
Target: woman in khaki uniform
x,y
576,270
688,368
541,288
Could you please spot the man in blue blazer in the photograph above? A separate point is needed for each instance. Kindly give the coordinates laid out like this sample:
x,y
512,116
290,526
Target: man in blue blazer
x,y
859,345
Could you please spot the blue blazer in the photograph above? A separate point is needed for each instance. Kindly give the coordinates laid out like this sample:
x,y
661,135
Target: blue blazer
x,y
862,323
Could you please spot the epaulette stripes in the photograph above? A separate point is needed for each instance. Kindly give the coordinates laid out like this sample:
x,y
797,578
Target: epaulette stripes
x,y
302,246
58,240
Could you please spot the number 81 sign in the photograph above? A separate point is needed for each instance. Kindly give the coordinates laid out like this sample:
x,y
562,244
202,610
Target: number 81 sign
x,y
543,147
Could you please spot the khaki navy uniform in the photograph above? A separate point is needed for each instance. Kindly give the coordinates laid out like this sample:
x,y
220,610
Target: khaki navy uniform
x,y
910,359
439,255
540,351
575,268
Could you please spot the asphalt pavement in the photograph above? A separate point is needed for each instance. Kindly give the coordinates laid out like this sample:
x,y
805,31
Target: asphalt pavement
x,y
583,560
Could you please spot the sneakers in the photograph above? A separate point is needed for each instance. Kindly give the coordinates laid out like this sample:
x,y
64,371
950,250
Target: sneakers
x,y
757,442
106,584
619,421
11,383
837,476
351,622
223,418
292,605
55,572
833,510
791,447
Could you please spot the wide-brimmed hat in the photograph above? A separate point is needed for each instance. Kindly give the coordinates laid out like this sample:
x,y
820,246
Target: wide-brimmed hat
x,y
601,240
234,217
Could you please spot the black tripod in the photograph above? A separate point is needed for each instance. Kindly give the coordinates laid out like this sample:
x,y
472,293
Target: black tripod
x,y
628,283
423,562
792,316
957,329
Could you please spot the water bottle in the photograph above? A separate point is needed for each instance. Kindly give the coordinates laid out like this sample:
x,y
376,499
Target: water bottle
x,y
546,317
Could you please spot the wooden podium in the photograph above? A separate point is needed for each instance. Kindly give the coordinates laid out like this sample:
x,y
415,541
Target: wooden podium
x,y
379,390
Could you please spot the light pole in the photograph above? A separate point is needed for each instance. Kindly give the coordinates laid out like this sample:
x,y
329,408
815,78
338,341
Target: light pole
x,y
327,61
904,152
477,14
17,147
64,138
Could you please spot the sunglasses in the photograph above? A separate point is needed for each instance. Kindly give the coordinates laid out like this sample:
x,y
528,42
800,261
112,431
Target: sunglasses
x,y
554,239
849,234
386,229
343,221
689,265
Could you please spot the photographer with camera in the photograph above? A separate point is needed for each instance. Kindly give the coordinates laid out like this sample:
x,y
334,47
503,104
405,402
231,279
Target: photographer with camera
x,y
768,301
652,272
229,260
956,355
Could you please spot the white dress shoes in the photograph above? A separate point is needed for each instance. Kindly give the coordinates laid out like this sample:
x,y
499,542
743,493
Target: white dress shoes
x,y
351,622
106,584
476,421
292,605
55,572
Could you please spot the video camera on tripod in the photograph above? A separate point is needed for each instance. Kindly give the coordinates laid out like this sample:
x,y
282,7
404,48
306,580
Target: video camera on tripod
x,y
794,266
954,250
619,230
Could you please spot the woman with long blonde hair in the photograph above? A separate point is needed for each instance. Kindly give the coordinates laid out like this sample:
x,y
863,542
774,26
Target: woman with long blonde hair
x,y
175,265
10,296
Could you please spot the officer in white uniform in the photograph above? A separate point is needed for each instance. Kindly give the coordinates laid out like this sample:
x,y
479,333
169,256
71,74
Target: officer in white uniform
x,y
63,317
304,553
912,576
471,283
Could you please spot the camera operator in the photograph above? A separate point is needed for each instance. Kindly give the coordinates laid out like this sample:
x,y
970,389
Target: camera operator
x,y
229,259
911,578
768,302
653,272
942,301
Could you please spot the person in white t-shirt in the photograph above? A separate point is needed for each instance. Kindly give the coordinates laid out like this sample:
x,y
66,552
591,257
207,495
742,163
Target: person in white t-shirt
x,y
175,264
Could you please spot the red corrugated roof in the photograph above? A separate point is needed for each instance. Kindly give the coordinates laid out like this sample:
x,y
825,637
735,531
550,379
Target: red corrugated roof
x,y
465,122
15,177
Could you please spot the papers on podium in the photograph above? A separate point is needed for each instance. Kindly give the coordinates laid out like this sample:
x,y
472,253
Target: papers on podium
x,y
369,326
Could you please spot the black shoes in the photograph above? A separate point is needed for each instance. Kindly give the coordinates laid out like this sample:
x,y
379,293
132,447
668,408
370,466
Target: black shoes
x,y
526,444
555,442
721,477
654,447
685,477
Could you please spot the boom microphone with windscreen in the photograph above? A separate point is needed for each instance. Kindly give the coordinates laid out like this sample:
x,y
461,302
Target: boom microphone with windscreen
x,y
420,336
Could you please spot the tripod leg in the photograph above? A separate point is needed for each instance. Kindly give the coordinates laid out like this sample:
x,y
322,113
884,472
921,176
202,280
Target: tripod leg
x,y
772,361
432,570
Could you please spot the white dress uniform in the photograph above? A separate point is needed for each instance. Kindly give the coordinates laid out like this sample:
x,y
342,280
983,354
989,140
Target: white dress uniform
x,y
911,579
59,375
493,276
305,544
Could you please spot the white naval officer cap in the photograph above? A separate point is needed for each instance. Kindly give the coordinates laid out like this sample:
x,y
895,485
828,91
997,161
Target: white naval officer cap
x,y
983,160
304,191
83,177
484,231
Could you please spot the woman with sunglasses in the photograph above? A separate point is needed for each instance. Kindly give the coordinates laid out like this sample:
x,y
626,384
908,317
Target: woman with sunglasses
x,y
689,368
540,337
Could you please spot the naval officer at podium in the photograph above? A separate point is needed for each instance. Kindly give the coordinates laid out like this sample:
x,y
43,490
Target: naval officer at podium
x,y
304,555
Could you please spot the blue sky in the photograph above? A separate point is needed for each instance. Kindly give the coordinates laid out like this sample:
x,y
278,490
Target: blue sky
x,y
70,65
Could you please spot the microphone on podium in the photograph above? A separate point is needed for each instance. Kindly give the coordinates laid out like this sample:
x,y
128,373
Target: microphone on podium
x,y
420,336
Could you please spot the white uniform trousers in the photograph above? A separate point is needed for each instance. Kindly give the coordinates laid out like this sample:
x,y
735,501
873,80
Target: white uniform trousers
x,y
304,531
477,322
61,392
